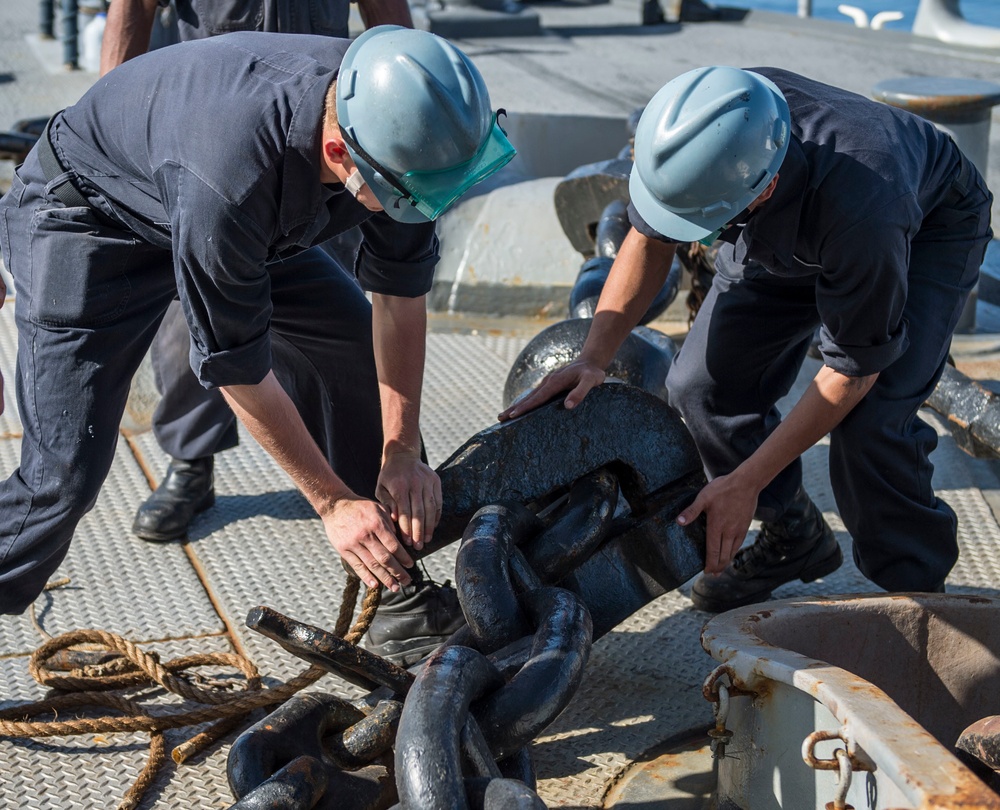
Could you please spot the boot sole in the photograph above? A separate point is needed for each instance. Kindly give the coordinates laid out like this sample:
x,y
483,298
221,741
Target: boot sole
x,y
409,652
152,536
810,574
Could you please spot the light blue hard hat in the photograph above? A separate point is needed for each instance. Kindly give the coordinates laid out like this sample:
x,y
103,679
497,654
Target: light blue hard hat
x,y
706,146
416,117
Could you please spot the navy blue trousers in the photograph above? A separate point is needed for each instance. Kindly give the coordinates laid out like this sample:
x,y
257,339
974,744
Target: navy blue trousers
x,y
192,422
746,348
90,298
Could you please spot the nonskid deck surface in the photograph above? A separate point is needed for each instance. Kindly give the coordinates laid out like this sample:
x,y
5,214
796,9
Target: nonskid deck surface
x,y
261,545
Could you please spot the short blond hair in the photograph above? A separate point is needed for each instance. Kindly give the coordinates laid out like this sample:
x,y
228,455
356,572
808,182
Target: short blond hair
x,y
330,108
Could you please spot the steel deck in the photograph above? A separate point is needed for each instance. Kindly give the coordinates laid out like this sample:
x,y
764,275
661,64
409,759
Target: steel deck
x,y
261,545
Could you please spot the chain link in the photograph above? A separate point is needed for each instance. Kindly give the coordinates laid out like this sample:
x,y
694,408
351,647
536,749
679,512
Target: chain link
x,y
527,582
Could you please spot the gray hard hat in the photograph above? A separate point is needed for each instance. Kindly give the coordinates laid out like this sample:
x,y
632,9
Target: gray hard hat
x,y
708,143
416,118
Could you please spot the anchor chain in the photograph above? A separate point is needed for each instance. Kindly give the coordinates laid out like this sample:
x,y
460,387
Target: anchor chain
x,y
472,708
549,560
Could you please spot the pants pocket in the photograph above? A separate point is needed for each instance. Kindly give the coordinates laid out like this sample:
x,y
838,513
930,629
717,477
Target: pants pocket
x,y
10,201
78,269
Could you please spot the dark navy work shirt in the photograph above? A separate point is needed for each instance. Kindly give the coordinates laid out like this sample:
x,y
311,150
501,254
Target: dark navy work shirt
x,y
857,182
197,19
211,149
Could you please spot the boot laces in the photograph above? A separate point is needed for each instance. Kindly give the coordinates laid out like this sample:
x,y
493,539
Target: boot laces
x,y
771,546
443,593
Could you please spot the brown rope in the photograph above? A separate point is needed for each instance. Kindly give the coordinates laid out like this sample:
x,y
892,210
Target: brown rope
x,y
94,686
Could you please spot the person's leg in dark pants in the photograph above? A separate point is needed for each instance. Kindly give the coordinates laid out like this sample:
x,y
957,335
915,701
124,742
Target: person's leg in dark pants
x,y
323,357
905,537
89,298
741,356
191,424
190,421
46,19
71,34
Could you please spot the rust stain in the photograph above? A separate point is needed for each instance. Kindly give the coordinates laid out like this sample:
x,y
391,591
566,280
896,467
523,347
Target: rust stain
x,y
967,796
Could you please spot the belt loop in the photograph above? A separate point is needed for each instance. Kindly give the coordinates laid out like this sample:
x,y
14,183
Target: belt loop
x,y
52,168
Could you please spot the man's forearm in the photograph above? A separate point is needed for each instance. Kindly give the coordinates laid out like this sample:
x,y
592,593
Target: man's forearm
x,y
824,405
636,277
126,32
399,328
385,12
272,419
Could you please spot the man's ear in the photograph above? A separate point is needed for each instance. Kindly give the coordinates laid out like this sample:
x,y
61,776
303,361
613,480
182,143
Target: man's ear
x,y
767,192
334,149
765,195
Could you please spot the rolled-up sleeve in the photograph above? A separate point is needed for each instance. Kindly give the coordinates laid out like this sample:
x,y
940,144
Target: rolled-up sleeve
x,y
397,258
636,221
861,294
223,286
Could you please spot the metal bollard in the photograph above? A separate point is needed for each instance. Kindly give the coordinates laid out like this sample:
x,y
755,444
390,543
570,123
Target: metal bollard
x,y
960,107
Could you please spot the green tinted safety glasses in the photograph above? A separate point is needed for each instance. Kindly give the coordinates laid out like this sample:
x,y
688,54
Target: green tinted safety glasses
x,y
434,192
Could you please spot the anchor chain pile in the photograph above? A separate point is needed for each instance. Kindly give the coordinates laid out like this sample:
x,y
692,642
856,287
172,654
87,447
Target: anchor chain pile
x,y
560,547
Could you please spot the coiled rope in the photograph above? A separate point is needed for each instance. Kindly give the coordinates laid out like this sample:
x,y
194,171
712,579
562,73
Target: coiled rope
x,y
104,685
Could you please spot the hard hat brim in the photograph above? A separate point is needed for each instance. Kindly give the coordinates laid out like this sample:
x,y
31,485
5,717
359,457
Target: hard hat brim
x,y
435,192
683,228
429,194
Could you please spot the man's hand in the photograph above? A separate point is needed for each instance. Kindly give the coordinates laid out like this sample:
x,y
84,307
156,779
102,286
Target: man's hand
x,y
729,502
363,534
578,378
411,491
729,506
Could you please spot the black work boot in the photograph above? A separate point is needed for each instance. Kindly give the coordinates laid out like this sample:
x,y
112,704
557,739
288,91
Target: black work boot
x,y
412,623
185,490
799,545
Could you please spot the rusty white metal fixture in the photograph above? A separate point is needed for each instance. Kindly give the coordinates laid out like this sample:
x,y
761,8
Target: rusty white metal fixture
x,y
854,701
